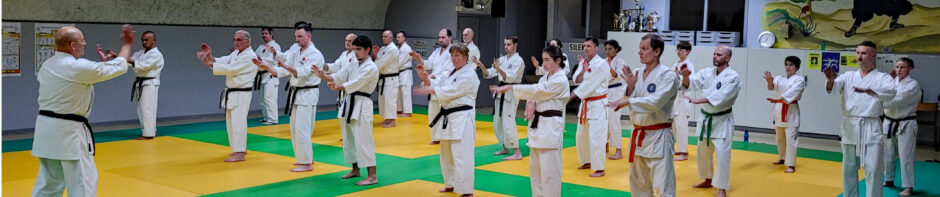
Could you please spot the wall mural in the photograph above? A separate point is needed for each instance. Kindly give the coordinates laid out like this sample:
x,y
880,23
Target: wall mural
x,y
909,26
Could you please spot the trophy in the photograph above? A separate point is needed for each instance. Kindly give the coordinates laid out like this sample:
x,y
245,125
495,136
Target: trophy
x,y
654,19
616,22
624,20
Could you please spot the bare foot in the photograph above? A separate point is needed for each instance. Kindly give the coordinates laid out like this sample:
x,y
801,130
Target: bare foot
x,y
704,184
722,193
368,181
517,156
390,124
585,166
466,195
233,153
778,162
351,175
598,173
907,192
682,157
502,152
236,157
435,142
617,155
302,168
790,169
404,115
446,189
143,138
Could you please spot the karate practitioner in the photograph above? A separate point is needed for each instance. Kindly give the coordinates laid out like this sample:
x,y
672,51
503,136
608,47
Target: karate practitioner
x,y
615,89
682,108
544,107
863,92
387,60
147,66
508,70
404,75
303,93
467,36
719,86
264,81
347,58
541,71
787,89
651,165
591,137
439,64
901,125
456,91
359,82
239,72
64,141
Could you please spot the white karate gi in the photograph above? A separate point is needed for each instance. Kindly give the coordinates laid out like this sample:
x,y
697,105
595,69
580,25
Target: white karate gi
x,y
682,109
903,142
473,52
358,144
862,137
721,90
439,64
786,123
457,162
303,101
148,64
615,90
550,93
504,112
591,136
269,84
405,80
388,62
652,168
65,148
239,72
347,58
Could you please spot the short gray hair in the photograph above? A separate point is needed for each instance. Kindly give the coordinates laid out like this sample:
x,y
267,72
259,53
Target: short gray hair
x,y
243,32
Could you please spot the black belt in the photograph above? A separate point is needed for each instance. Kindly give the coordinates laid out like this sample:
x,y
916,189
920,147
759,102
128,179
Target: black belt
x,y
403,70
895,123
615,85
706,130
546,113
137,87
76,118
258,79
382,81
292,96
352,101
502,96
445,112
223,99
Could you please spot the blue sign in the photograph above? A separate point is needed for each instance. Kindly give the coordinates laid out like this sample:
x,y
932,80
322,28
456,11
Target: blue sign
x,y
830,60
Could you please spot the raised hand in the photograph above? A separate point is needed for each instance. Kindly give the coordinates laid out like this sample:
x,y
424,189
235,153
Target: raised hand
x,y
375,51
830,74
894,73
127,34
478,63
101,54
535,62
630,77
768,77
205,54
618,103
581,58
685,71
422,74
270,49
496,64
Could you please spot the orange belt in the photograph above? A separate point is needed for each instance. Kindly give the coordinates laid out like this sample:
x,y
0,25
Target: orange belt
x,y
639,132
583,117
784,109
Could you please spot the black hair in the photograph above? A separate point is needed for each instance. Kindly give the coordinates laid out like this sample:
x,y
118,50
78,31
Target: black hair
x,y
908,61
299,23
150,32
514,39
592,39
793,59
402,33
449,33
684,45
270,30
613,43
868,44
305,26
656,42
555,53
549,43
364,42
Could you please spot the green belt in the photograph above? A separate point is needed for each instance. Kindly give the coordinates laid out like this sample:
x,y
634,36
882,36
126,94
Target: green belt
x,y
706,129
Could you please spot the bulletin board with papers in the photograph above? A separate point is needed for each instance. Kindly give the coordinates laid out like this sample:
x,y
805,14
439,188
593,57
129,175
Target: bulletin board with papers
x,y
11,49
45,41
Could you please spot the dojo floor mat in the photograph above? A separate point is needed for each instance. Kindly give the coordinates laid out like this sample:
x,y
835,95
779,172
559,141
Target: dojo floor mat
x,y
186,160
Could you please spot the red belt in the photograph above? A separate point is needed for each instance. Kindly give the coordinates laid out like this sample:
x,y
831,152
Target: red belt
x,y
784,109
583,117
639,132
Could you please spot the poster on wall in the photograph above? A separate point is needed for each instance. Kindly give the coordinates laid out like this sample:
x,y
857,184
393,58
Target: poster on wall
x,y
830,60
814,59
849,61
45,41
11,49
907,26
